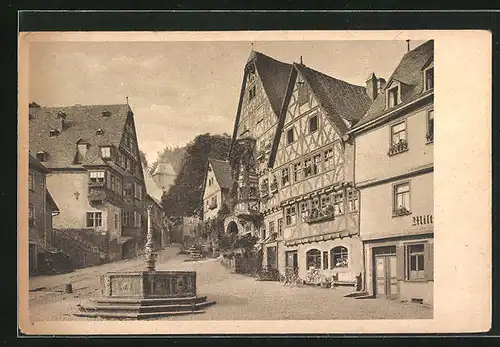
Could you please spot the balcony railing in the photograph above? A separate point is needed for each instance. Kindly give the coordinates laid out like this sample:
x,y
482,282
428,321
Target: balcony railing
x,y
316,216
398,147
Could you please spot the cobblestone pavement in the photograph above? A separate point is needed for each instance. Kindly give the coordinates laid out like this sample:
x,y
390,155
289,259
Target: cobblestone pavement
x,y
237,297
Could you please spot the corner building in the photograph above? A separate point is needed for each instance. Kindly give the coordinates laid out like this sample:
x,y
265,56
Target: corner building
x,y
394,174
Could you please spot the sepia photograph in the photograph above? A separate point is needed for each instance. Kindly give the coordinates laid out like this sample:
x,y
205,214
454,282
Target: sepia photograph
x,y
231,180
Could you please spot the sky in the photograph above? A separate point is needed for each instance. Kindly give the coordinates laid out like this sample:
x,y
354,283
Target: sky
x,y
180,89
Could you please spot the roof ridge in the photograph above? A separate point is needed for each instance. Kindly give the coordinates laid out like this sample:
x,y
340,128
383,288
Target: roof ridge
x,y
81,105
328,76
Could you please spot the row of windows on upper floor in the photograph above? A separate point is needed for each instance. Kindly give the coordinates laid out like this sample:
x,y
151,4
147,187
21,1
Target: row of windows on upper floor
x,y
132,189
318,163
324,206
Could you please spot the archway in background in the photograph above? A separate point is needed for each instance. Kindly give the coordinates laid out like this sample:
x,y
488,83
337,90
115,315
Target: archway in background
x,y
232,227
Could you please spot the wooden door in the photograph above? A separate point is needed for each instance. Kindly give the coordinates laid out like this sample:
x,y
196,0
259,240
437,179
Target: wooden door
x,y
292,261
272,257
386,282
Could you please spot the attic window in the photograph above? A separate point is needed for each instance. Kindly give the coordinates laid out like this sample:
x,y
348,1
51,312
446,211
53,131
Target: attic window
x,y
303,93
53,132
429,78
106,152
393,97
99,132
106,113
41,156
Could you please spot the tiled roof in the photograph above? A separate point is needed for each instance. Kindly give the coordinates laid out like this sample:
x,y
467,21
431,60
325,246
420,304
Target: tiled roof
x,y
152,189
274,76
222,172
410,73
339,99
82,124
35,164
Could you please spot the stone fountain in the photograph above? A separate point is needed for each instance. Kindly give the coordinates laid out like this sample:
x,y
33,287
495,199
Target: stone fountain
x,y
148,293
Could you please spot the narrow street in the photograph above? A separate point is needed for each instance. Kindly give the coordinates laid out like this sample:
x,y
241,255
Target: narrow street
x,y
237,297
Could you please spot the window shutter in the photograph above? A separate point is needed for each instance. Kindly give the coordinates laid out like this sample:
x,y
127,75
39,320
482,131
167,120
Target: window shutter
x,y
429,261
400,259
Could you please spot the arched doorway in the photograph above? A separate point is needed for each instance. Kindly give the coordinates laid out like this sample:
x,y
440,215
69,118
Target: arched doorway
x,y
232,227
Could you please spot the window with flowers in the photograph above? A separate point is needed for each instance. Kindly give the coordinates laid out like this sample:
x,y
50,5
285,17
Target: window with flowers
x,y
340,257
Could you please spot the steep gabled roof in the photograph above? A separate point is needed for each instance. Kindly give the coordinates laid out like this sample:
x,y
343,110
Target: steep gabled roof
x,y
274,77
82,125
341,101
409,72
222,172
152,189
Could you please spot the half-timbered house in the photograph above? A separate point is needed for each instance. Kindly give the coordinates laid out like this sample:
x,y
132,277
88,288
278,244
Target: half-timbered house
x,y
394,174
308,201
263,88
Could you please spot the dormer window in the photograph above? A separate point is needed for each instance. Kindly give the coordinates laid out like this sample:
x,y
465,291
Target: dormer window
x,y
53,132
429,78
106,152
81,150
41,156
393,96
99,132
106,113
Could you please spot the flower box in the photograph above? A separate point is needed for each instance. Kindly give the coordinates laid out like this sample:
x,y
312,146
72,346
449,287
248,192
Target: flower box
x,y
316,216
399,147
401,211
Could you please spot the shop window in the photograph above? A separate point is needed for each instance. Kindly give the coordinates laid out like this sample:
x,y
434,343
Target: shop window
x,y
313,259
415,261
340,257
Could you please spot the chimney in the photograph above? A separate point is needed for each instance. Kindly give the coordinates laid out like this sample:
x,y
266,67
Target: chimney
x,y
408,45
371,86
381,85
61,116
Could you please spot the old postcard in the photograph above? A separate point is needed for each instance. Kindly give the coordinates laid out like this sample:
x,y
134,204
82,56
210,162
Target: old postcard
x,y
268,182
